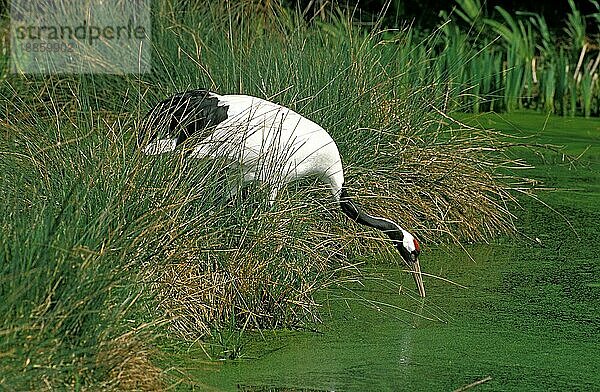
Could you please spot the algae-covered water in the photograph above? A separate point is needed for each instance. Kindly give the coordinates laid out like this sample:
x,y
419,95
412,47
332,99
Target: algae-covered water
x,y
529,319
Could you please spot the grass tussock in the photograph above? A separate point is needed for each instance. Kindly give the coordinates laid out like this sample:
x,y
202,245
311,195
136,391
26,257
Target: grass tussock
x,y
99,240
235,259
128,365
444,180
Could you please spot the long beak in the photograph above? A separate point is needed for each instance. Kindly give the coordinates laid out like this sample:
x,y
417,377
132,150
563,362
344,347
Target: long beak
x,y
416,272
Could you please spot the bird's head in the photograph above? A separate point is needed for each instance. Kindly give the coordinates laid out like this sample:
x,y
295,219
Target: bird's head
x,y
409,248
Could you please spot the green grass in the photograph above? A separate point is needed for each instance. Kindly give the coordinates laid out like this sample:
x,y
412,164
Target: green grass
x,y
517,61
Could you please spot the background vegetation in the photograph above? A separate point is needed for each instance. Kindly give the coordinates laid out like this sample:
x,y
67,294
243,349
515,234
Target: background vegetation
x,y
104,252
518,61
497,56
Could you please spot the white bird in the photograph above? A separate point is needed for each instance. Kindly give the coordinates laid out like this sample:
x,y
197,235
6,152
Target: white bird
x,y
270,143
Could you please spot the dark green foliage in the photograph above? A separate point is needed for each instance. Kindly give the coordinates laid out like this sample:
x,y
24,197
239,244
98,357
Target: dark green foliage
x,y
541,68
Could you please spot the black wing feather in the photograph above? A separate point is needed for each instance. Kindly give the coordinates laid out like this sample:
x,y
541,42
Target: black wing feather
x,y
194,112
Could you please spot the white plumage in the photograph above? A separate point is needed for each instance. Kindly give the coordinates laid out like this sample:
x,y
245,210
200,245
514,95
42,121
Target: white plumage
x,y
272,143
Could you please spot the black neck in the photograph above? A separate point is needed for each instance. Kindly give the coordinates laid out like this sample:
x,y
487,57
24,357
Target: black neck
x,y
391,229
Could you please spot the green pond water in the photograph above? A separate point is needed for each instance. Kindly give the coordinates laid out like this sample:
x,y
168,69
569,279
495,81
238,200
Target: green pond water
x,y
529,319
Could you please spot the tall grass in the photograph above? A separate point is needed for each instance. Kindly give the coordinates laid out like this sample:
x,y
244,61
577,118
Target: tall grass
x,y
103,248
67,233
542,68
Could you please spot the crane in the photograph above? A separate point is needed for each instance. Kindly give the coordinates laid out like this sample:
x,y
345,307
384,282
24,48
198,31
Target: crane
x,y
270,143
